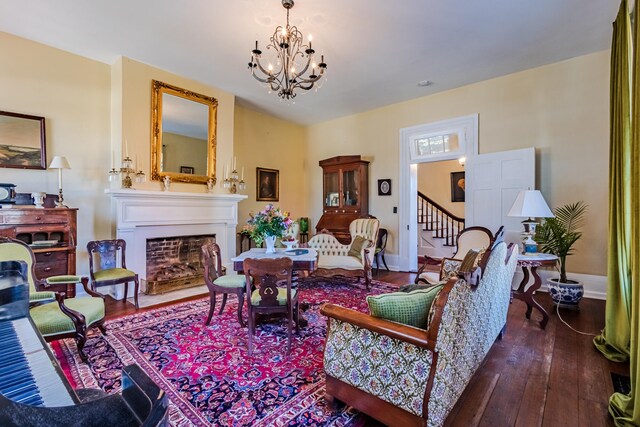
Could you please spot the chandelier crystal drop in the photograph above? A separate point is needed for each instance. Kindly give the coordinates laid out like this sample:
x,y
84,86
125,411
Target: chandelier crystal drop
x,y
295,67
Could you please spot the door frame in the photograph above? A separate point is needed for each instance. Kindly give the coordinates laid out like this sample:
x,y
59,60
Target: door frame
x,y
408,179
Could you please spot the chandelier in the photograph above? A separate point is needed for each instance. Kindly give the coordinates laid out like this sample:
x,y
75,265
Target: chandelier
x,y
294,60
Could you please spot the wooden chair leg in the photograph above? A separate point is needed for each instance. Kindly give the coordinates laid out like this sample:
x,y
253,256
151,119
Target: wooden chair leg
x,y
136,288
289,329
252,326
100,325
224,301
212,307
240,294
384,261
81,339
126,292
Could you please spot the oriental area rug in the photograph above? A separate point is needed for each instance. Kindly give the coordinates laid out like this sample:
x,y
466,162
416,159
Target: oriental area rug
x,y
206,370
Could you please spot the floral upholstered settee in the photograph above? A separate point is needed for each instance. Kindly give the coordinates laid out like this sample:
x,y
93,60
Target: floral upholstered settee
x,y
403,375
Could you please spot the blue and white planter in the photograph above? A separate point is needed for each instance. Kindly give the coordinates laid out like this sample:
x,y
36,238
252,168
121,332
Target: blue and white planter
x,y
566,295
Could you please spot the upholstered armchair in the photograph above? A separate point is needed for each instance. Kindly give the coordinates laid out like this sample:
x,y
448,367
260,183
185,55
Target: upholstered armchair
x,y
404,375
354,259
478,238
54,315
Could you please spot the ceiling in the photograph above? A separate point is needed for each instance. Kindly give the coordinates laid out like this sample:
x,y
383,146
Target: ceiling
x,y
376,51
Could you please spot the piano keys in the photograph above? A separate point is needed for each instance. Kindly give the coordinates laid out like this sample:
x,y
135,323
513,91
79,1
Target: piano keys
x,y
33,389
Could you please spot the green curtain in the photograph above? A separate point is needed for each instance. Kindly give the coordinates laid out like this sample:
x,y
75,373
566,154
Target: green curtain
x,y
615,339
625,409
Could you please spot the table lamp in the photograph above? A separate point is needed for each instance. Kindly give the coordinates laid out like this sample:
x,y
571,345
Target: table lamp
x,y
59,162
530,204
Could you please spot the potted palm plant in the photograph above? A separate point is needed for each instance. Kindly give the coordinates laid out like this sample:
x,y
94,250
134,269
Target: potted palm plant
x,y
557,236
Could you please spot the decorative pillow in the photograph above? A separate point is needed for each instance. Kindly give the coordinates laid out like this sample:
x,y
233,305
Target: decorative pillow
x,y
410,308
420,286
470,260
357,244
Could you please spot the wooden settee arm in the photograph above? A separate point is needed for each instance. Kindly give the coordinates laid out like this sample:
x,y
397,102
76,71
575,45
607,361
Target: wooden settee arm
x,y
409,334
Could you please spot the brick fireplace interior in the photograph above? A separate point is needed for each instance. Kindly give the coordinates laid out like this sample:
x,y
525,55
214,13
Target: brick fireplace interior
x,y
175,263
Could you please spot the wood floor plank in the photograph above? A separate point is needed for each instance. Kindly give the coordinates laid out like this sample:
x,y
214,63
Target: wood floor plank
x,y
529,378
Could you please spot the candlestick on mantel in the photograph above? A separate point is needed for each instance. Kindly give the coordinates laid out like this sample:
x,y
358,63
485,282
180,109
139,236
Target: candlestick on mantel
x,y
242,177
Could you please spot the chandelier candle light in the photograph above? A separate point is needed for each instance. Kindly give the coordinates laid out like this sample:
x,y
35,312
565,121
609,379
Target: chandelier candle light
x,y
293,61
128,168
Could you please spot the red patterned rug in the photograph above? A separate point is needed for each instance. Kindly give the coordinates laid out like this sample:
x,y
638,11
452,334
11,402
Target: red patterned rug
x,y
206,370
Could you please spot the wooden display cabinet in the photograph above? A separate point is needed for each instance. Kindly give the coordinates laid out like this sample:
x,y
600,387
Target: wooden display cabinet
x,y
31,225
345,194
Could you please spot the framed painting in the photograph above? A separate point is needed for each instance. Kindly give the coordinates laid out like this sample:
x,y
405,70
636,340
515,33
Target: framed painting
x,y
384,187
187,169
22,141
457,186
267,185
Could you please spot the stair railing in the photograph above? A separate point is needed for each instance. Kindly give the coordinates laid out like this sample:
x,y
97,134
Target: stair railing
x,y
439,220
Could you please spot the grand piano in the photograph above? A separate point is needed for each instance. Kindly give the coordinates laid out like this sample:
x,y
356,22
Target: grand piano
x,y
33,389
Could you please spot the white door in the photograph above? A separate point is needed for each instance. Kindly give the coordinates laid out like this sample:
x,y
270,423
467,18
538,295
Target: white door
x,y
492,183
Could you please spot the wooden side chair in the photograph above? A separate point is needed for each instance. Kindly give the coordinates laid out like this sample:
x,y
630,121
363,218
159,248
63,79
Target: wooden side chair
x,y
381,245
268,298
218,282
54,315
107,272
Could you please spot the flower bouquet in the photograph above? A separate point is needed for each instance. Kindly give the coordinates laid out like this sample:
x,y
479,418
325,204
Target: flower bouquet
x,y
269,224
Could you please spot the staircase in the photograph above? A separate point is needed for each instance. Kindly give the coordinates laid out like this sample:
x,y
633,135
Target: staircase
x,y
437,228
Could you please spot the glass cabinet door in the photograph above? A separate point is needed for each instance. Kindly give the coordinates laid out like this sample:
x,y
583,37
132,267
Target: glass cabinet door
x,y
350,187
331,189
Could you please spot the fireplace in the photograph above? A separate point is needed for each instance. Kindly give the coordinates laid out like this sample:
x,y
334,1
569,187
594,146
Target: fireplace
x,y
143,215
175,263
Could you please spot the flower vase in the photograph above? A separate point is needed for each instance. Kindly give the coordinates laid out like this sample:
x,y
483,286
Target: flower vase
x,y
270,244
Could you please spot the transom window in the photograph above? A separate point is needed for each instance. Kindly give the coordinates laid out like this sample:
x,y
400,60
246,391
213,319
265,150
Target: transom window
x,y
437,144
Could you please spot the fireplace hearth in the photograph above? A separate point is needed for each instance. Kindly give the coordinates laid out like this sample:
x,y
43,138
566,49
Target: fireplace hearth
x,y
175,263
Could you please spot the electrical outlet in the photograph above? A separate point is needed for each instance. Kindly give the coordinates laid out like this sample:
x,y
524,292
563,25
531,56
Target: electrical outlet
x,y
395,209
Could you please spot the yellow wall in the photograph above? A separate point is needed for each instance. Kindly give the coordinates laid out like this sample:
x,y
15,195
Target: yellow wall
x,y
73,94
265,141
561,109
181,150
434,181
131,121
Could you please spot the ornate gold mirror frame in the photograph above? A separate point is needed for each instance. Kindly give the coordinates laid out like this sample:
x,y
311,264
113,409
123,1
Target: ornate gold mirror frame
x,y
157,174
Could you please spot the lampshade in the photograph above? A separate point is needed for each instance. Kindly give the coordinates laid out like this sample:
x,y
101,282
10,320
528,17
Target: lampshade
x,y
59,162
530,204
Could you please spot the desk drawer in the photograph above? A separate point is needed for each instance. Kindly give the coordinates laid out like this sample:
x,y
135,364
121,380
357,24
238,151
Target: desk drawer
x,y
51,264
34,218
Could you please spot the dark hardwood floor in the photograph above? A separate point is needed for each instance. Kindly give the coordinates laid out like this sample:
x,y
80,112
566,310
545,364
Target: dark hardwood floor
x,y
532,377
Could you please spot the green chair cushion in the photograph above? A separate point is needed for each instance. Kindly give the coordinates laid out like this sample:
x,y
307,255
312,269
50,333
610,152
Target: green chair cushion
x,y
64,279
50,320
113,274
231,281
409,308
357,244
42,296
282,296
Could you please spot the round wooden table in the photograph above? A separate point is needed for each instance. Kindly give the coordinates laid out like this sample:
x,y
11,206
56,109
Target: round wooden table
x,y
531,263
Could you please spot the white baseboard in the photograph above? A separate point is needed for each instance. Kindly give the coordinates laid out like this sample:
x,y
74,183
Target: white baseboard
x,y
594,286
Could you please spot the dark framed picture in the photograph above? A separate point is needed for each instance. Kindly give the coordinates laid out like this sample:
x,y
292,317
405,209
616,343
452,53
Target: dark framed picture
x,y
457,186
384,187
186,169
267,185
22,141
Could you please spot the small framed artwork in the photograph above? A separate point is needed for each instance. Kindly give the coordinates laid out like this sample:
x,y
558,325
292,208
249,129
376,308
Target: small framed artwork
x,y
187,169
384,187
267,185
22,141
333,199
457,186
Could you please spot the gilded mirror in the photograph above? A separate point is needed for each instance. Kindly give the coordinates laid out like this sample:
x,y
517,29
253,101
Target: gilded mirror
x,y
183,128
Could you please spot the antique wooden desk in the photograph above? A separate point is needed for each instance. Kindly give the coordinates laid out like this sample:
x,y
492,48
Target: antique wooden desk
x,y
531,263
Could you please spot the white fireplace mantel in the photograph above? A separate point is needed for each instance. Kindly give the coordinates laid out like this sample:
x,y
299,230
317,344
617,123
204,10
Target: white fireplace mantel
x,y
143,214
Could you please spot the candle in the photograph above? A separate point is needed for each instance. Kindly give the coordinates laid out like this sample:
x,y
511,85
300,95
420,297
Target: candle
x,y
126,148
234,163
223,175
242,178
135,164
113,159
